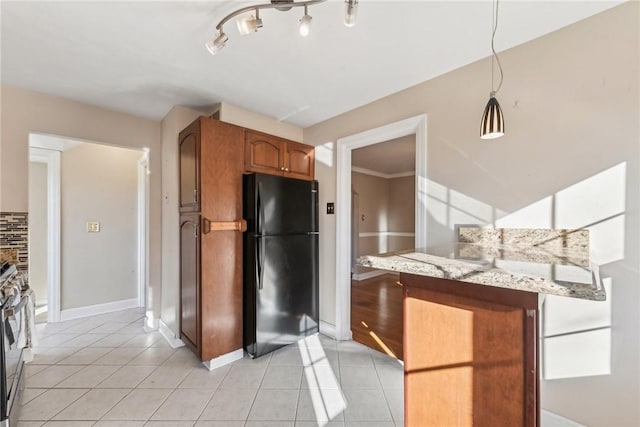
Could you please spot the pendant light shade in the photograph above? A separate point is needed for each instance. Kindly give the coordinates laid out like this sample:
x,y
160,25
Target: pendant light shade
x,y
492,125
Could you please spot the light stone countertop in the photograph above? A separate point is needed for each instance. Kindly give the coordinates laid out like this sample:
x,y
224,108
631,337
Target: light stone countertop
x,y
564,272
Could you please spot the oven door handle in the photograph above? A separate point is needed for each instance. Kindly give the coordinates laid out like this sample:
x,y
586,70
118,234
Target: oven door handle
x,y
11,311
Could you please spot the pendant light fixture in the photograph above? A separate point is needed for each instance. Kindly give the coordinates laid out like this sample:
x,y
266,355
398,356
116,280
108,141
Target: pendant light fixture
x,y
252,24
492,124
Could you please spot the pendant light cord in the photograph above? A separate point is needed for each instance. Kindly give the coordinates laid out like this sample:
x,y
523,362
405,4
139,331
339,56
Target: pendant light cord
x,y
494,21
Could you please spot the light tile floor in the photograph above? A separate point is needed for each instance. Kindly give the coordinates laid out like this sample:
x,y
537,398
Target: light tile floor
x,y
105,371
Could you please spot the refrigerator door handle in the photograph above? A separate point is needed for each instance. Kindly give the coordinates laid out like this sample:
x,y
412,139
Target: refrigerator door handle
x,y
260,210
259,256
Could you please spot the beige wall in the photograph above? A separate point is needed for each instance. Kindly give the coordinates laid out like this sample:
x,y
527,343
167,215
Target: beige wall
x,y
231,114
25,111
98,183
388,206
38,230
571,107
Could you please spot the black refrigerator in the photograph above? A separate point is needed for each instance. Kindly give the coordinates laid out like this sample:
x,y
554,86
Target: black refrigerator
x,y
280,262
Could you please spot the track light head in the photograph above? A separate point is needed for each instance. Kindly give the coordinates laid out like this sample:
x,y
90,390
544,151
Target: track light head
x,y
305,24
249,24
214,46
350,12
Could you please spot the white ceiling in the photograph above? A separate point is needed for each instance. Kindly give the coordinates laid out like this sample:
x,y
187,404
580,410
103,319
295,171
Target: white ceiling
x,y
144,57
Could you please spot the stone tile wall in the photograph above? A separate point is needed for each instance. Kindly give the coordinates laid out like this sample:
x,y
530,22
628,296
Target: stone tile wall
x,y
14,238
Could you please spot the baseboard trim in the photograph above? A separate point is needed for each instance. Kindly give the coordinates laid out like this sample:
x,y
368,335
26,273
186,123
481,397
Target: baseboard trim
x,y
327,329
554,420
369,274
168,335
92,310
225,359
150,322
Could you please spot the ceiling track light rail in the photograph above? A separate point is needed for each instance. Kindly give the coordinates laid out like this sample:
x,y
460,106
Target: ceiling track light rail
x,y
251,24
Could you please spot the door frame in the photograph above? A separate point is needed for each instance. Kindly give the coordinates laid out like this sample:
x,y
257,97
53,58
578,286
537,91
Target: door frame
x,y
52,159
415,125
49,152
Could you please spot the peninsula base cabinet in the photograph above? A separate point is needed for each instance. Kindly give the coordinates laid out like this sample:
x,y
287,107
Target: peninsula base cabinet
x,y
211,252
470,354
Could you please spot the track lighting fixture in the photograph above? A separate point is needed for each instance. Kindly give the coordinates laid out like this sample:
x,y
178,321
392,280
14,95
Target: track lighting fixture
x,y
251,24
218,43
305,24
350,10
492,124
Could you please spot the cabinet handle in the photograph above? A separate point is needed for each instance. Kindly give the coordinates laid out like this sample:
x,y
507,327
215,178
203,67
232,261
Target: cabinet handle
x,y
195,195
282,168
286,169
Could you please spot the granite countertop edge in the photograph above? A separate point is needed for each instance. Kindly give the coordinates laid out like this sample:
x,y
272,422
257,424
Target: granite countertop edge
x,y
465,271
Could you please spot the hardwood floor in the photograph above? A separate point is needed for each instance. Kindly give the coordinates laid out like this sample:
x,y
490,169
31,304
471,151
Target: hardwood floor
x,y
376,313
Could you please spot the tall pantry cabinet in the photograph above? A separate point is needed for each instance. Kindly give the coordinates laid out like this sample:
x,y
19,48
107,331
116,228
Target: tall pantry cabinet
x,y
211,226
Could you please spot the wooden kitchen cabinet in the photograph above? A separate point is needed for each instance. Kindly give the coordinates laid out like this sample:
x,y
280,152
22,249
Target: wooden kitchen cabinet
x,y
264,153
189,146
211,168
470,354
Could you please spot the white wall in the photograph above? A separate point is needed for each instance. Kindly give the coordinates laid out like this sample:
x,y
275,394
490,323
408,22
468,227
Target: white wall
x,y
98,183
38,230
571,107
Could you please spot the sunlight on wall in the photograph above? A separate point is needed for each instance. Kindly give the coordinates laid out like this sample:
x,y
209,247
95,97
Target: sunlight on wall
x,y
535,215
576,333
324,154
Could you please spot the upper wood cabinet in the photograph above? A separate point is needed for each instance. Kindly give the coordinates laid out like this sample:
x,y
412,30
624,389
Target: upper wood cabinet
x,y
270,154
190,168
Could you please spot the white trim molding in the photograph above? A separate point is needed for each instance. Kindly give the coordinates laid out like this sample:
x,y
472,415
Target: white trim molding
x,y
369,274
168,335
91,310
550,419
414,125
52,159
387,233
141,222
382,174
225,359
327,329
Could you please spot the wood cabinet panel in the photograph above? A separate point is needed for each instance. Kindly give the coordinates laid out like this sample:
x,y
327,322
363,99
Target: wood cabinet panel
x,y
211,286
301,162
270,154
190,280
263,153
470,354
189,164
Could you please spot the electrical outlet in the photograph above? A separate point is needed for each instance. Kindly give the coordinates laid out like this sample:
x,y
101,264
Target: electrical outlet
x,y
93,227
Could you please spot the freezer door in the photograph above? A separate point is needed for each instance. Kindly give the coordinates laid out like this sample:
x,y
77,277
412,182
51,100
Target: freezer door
x,y
276,205
286,295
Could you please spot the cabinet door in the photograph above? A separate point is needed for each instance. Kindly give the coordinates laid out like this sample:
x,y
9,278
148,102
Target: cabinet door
x,y
300,161
190,281
190,168
263,153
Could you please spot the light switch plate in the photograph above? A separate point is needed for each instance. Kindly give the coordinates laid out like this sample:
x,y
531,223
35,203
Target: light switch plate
x,y
93,227
330,208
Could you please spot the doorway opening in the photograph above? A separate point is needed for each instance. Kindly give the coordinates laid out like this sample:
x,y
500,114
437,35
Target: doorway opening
x,y
344,214
383,220
88,228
